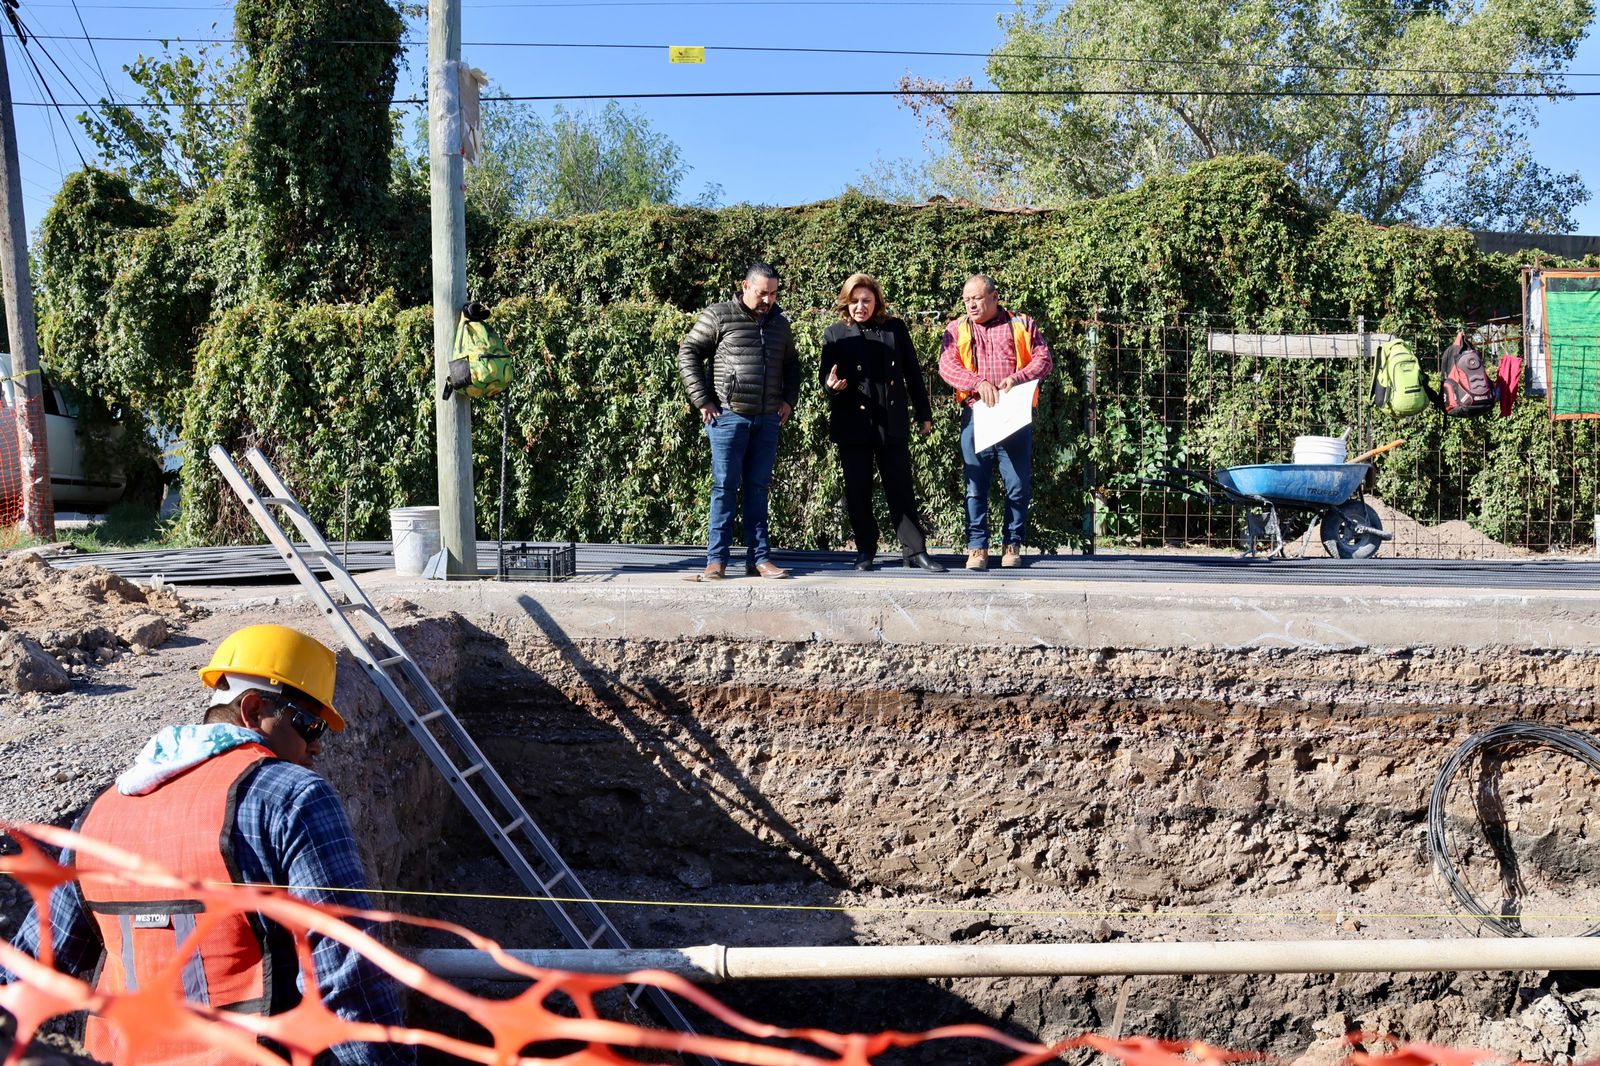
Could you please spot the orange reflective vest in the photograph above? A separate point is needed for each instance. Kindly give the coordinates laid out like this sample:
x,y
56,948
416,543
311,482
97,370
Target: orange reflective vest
x,y
1020,327
185,825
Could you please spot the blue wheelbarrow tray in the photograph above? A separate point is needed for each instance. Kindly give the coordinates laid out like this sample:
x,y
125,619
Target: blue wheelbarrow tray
x,y
1304,484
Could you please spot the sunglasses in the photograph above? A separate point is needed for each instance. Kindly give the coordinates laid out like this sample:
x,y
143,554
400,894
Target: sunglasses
x,y
308,723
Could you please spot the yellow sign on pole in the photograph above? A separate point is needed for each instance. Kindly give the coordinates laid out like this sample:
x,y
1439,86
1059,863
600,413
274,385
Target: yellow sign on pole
x,y
686,53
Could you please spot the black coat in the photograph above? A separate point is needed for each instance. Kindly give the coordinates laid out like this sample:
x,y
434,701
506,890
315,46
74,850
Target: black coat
x,y
754,363
881,366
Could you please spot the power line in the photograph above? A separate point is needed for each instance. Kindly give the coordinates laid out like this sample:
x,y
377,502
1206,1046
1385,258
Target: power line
x,y
1441,94
90,41
1275,94
1226,64
22,35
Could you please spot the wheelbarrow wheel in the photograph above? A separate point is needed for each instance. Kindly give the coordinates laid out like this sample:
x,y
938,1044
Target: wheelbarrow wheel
x,y
1342,534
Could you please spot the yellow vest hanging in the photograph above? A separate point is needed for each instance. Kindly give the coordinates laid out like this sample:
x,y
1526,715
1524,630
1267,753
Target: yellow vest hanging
x,y
1021,325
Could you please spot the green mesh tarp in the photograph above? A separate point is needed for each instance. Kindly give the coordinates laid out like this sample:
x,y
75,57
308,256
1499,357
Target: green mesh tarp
x,y
1572,330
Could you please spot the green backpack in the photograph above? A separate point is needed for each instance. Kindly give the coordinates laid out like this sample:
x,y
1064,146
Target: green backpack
x,y
1398,383
480,363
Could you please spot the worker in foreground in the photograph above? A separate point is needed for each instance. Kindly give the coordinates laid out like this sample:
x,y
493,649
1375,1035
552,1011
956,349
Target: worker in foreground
x,y
233,799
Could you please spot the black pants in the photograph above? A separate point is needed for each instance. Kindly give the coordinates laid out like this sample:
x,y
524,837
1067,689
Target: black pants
x,y
893,459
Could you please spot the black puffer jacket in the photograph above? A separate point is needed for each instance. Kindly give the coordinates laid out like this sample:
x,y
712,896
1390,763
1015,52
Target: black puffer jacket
x,y
754,363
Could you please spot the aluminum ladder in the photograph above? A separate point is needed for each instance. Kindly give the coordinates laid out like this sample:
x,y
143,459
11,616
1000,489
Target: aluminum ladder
x,y
479,786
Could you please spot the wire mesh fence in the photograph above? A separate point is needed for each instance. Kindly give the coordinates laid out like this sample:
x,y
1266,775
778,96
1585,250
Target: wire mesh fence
x,y
1167,407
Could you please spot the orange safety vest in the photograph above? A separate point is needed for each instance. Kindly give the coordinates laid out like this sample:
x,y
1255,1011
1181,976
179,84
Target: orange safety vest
x,y
185,825
1020,325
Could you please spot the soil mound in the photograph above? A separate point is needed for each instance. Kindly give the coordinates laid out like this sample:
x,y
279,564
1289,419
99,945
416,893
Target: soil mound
x,y
55,624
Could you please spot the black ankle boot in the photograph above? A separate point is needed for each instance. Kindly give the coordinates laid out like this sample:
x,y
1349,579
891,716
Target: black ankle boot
x,y
924,561
864,561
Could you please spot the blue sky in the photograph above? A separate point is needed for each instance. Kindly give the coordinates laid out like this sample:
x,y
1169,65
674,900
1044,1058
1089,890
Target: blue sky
x,y
778,151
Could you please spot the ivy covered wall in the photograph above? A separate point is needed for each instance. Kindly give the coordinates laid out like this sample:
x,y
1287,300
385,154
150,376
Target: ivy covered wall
x,y
603,445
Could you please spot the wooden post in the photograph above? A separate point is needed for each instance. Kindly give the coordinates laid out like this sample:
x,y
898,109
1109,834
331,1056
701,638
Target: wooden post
x,y
458,527
33,460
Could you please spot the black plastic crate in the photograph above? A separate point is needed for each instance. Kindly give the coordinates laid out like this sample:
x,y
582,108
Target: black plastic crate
x,y
539,562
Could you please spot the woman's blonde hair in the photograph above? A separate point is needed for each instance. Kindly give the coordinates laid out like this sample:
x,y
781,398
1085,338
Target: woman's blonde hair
x,y
851,284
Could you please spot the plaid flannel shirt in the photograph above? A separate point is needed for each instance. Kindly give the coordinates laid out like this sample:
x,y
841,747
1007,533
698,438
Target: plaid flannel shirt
x,y
290,829
995,353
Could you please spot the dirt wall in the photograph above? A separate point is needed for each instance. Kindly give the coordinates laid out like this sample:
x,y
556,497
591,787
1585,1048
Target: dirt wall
x,y
937,794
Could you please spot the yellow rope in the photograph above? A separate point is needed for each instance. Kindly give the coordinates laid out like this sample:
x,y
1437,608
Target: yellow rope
x,y
843,908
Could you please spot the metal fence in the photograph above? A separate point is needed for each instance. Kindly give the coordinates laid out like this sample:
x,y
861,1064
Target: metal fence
x,y
1513,482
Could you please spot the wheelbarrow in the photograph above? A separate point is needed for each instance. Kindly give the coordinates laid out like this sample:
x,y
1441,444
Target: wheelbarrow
x,y
1288,501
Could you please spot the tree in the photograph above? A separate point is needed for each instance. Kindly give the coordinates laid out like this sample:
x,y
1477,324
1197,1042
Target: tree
x,y
172,143
573,163
1321,86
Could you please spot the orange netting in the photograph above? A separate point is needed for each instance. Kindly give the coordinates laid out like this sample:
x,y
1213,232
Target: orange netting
x,y
158,1013
15,474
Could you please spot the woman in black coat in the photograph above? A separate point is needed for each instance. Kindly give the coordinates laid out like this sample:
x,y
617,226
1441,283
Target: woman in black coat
x,y
870,373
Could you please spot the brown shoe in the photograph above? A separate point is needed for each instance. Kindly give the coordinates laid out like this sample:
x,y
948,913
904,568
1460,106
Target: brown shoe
x,y
766,568
977,558
1012,556
714,572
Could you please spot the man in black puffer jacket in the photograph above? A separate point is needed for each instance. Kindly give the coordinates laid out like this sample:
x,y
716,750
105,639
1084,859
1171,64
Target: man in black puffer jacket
x,y
755,381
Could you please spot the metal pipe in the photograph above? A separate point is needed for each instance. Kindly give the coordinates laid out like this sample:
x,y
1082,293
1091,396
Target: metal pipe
x,y
714,962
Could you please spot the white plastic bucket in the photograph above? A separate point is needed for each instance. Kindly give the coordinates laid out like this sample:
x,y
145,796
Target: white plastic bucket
x,y
1323,451
416,538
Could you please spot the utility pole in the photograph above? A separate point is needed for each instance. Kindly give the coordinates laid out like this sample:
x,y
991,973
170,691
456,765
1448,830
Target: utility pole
x,y
33,462
458,527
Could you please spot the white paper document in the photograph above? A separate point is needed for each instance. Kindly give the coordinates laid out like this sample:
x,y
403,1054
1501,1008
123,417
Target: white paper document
x,y
1014,409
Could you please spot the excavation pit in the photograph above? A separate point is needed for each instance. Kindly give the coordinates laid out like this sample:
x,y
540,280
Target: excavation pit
x,y
858,764
759,791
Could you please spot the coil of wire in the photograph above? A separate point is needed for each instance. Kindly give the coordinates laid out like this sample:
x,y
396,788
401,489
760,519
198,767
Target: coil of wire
x,y
1522,737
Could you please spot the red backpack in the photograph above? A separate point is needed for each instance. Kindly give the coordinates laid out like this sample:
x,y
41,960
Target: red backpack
x,y
1465,390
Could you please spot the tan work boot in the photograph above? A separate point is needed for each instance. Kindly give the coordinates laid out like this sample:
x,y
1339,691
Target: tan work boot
x,y
977,558
714,572
765,569
1012,556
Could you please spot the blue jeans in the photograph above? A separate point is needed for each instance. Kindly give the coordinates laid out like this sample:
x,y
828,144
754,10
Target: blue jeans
x,y
1015,455
743,451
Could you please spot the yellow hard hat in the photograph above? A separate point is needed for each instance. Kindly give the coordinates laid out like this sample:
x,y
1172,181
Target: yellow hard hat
x,y
280,656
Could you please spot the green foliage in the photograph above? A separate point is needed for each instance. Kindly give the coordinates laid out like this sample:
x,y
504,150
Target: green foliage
x,y
1167,86
311,179
573,164
174,141
603,445
338,397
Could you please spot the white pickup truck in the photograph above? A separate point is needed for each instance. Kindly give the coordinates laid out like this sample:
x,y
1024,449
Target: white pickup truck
x,y
70,485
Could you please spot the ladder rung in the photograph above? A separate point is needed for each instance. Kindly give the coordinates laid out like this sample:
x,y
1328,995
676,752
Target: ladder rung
x,y
280,501
561,875
384,664
469,771
355,608
430,716
512,827
598,935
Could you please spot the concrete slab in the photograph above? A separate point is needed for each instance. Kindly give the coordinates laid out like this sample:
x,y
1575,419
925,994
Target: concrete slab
x,y
1003,610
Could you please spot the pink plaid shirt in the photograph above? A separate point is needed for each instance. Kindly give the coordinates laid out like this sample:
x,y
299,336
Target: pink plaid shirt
x,y
995,352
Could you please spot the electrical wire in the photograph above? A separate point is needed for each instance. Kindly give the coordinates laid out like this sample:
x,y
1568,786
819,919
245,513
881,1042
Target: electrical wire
x,y
90,41
748,94
1498,744
44,87
1066,57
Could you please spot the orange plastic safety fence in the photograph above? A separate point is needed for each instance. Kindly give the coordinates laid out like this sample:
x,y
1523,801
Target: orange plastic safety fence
x,y
158,1013
17,469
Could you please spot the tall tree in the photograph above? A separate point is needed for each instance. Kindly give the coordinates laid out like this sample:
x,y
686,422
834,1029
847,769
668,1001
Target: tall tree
x,y
1360,98
173,141
574,163
311,197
